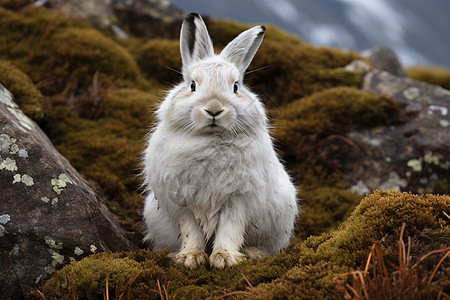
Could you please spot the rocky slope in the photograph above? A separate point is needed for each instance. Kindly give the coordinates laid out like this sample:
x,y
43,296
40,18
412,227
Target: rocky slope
x,y
93,94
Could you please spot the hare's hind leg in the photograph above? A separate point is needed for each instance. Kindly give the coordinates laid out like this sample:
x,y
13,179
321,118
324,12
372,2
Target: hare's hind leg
x,y
161,232
253,253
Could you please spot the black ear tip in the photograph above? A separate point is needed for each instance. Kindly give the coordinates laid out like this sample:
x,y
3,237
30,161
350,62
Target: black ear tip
x,y
263,28
192,16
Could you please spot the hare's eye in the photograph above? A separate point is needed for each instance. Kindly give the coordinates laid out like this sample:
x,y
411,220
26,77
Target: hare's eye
x,y
193,86
235,87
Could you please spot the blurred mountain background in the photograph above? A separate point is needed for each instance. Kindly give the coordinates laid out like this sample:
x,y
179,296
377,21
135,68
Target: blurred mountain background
x,y
418,31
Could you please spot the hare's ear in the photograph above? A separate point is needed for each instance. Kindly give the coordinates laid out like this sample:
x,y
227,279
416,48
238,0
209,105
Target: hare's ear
x,y
195,43
241,50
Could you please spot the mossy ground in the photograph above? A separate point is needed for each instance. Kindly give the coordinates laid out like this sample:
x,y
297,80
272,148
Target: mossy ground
x,y
94,96
309,269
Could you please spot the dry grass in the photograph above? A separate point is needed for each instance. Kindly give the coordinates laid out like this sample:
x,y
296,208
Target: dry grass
x,y
119,286
250,293
163,291
402,281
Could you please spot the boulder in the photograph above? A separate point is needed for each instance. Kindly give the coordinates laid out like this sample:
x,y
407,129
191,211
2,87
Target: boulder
x,y
411,156
48,214
143,18
98,12
149,18
385,59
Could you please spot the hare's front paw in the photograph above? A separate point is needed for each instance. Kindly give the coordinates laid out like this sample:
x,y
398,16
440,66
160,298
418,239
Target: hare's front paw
x,y
190,258
253,253
221,258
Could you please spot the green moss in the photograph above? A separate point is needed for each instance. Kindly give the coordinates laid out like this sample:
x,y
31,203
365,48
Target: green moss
x,y
337,107
158,57
156,266
74,55
289,71
65,54
308,269
29,99
107,150
24,31
223,31
324,208
90,276
304,282
305,127
379,214
378,218
433,75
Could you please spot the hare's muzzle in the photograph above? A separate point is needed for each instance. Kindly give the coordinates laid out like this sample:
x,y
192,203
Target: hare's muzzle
x,y
214,108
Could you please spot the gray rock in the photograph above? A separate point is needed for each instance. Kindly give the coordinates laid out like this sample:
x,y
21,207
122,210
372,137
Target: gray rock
x,y
144,18
98,12
149,18
385,59
48,214
411,156
358,66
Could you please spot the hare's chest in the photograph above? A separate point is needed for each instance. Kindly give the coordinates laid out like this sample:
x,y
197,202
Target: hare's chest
x,y
214,172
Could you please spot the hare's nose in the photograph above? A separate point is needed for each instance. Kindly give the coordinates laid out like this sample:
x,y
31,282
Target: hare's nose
x,y
214,113
214,108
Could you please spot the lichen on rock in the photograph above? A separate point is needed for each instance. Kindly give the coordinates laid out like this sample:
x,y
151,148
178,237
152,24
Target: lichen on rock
x,y
60,183
8,164
24,178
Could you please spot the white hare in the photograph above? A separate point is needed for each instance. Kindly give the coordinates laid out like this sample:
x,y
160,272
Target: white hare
x,y
211,171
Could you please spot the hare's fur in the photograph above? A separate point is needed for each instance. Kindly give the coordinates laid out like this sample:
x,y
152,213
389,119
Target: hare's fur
x,y
210,167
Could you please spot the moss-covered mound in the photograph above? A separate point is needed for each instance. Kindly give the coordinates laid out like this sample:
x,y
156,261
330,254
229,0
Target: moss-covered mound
x,y
306,127
60,53
433,75
324,208
160,59
26,95
309,269
378,219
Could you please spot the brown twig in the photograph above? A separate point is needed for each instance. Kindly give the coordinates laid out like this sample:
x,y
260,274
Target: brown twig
x,y
129,283
15,272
